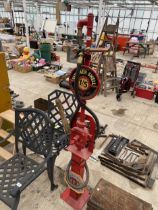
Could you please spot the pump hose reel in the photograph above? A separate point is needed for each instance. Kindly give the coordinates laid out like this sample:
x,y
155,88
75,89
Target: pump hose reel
x,y
69,175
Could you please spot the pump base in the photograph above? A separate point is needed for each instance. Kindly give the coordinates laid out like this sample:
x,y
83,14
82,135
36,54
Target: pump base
x,y
76,204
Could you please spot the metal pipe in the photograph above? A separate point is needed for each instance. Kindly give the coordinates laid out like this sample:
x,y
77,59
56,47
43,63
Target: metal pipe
x,y
102,50
13,15
89,23
147,30
38,16
26,24
82,23
99,16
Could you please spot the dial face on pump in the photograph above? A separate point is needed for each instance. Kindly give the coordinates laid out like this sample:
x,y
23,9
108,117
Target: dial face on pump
x,y
84,83
88,83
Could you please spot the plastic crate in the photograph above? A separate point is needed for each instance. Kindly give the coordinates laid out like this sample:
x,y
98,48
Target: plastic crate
x,y
142,93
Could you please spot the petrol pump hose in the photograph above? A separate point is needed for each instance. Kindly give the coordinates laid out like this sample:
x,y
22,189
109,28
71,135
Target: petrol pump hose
x,y
83,105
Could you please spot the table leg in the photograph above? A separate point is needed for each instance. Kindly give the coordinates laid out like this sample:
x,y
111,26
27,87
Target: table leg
x,y
13,149
1,122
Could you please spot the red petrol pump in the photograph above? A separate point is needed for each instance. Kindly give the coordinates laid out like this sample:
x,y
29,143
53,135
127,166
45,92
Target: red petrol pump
x,y
85,85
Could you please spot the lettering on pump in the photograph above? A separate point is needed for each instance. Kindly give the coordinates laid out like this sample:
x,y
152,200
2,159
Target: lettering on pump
x,y
92,78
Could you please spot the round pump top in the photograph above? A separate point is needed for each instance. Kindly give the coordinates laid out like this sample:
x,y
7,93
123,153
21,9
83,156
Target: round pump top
x,y
88,83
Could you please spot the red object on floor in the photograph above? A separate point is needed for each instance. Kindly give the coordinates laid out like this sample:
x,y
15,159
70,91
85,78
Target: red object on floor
x,y
122,41
147,94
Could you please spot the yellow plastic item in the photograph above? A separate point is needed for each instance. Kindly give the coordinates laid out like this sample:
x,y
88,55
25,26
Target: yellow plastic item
x,y
5,99
102,36
26,50
156,82
26,53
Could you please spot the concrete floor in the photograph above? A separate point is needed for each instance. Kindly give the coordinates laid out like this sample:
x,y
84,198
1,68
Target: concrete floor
x,y
139,121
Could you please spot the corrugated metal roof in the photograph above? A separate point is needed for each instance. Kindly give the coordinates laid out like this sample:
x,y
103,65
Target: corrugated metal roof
x,y
95,3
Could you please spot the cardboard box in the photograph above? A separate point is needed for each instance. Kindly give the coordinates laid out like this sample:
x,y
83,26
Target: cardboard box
x,y
56,79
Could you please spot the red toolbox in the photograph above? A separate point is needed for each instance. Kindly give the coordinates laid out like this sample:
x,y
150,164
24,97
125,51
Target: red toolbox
x,y
147,94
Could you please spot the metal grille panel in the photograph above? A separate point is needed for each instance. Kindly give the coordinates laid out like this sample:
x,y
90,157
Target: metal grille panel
x,y
34,131
69,103
12,173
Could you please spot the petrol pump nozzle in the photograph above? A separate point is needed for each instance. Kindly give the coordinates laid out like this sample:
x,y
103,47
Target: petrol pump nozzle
x,y
80,59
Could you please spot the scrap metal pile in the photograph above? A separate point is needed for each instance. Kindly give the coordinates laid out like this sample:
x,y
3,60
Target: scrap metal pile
x,y
131,159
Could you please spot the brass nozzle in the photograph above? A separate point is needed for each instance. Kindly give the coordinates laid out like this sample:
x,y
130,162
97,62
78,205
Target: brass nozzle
x,y
80,58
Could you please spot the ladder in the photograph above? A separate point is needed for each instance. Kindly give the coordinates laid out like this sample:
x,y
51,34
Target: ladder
x,y
107,73
105,63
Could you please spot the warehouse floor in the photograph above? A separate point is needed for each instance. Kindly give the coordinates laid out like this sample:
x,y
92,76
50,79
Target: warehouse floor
x,y
138,119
